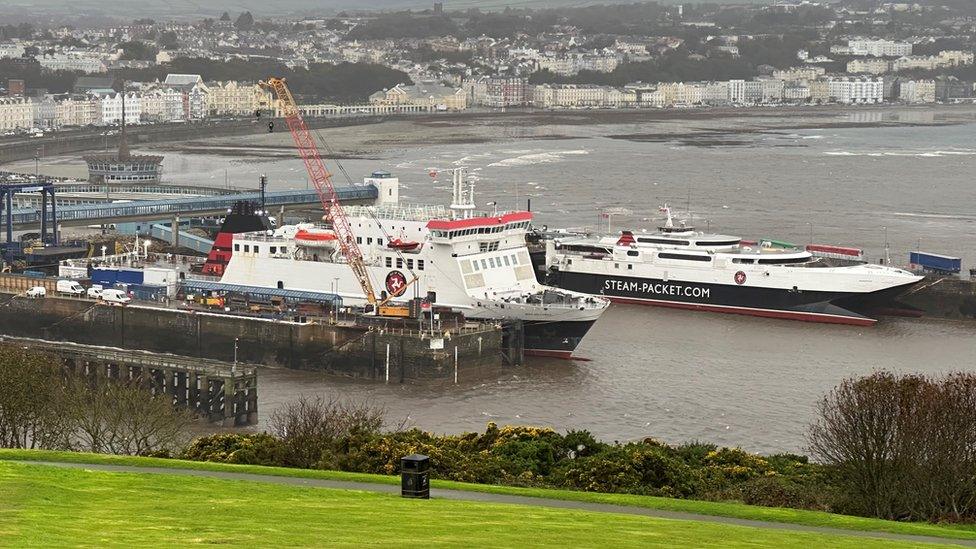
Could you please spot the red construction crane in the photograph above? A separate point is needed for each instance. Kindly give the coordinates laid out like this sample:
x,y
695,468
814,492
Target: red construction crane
x,y
322,180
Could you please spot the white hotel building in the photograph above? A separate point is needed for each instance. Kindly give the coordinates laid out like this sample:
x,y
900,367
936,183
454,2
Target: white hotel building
x,y
856,90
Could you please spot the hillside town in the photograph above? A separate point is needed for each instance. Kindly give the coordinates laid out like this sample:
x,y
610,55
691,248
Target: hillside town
x,y
810,53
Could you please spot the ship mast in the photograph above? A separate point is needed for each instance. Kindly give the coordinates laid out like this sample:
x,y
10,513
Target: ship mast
x,y
462,200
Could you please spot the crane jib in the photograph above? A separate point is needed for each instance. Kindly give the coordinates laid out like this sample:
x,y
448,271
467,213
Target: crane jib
x,y
322,180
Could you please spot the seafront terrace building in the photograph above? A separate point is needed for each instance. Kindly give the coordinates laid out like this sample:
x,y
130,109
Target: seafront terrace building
x,y
429,94
16,113
236,99
852,90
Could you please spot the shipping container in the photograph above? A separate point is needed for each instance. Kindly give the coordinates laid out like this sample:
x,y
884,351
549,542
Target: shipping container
x,y
936,263
147,292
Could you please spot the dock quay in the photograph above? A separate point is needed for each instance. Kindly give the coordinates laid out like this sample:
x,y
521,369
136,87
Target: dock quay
x,y
385,352
944,297
217,391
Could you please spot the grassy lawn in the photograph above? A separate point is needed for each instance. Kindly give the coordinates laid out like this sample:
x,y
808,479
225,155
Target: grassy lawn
x,y
49,506
808,518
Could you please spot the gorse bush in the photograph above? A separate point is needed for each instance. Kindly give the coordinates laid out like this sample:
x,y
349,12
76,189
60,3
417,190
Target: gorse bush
x,y
520,456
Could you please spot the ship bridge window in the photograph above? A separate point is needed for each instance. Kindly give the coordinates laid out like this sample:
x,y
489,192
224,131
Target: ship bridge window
x,y
247,248
274,249
685,257
633,253
585,249
717,242
782,261
743,260
237,247
488,246
645,240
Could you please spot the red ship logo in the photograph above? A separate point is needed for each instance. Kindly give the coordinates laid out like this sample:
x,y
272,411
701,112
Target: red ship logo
x,y
396,283
740,277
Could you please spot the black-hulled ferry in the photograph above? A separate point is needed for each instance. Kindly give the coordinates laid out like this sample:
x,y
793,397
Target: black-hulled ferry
x,y
680,267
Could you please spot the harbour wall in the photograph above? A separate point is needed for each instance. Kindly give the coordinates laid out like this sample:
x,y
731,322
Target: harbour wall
x,y
345,350
944,297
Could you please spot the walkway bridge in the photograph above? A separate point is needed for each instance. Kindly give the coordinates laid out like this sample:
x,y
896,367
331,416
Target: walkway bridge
x,y
197,206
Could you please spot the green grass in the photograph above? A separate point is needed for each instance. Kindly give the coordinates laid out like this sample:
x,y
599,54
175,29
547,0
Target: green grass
x,y
50,506
736,510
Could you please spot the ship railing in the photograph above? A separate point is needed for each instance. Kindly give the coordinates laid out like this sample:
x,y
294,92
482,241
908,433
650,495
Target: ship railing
x,y
261,237
401,212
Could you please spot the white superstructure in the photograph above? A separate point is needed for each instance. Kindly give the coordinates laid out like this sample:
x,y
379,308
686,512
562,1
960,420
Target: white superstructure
x,y
474,262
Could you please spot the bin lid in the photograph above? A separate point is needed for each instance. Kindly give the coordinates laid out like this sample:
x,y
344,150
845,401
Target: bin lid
x,y
415,457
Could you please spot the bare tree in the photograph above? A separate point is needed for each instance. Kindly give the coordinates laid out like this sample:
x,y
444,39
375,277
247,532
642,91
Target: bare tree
x,y
905,446
310,425
31,398
122,417
856,431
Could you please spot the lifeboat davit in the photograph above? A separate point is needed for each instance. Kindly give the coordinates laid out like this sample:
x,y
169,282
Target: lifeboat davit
x,y
311,238
403,245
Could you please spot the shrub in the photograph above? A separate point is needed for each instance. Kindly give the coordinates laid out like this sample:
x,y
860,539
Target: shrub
x,y
635,468
256,449
309,427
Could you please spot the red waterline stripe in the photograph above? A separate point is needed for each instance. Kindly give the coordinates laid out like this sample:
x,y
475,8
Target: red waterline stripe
x,y
551,353
825,318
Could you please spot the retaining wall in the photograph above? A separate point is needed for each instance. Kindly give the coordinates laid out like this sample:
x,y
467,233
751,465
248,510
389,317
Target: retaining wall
x,y
341,350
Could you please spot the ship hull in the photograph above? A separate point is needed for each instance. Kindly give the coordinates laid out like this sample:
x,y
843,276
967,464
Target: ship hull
x,y
557,339
810,306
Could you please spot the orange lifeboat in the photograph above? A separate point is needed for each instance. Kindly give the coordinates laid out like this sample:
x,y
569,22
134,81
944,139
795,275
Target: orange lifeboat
x,y
312,238
403,245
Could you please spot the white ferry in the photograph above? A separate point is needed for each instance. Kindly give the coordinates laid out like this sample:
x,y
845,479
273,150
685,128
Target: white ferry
x,y
477,263
683,268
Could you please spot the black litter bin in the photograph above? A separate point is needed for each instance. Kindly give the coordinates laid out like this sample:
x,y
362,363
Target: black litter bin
x,y
415,476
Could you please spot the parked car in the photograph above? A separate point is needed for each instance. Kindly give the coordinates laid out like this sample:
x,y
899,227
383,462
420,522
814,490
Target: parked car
x,y
115,296
36,291
70,287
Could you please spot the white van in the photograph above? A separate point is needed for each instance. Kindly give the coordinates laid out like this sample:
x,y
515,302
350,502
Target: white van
x,y
115,296
70,287
36,291
95,292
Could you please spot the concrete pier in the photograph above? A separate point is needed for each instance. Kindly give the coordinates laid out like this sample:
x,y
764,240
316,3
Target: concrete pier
x,y
344,348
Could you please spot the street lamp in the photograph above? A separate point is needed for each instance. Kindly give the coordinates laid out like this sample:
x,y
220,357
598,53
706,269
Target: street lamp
x,y
335,291
233,369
